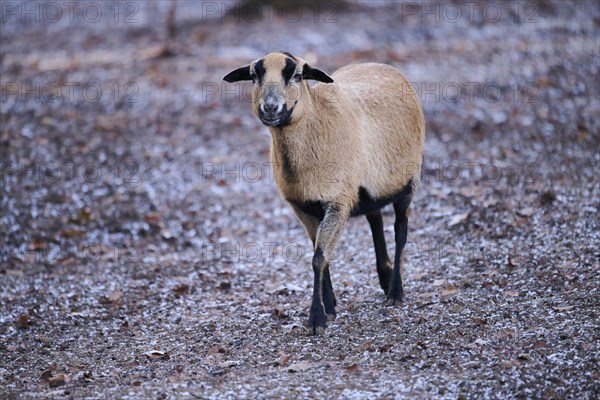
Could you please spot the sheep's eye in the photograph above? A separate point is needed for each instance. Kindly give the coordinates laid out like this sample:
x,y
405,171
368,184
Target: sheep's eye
x,y
298,77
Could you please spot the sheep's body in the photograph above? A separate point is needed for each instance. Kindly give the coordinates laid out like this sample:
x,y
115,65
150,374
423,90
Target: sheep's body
x,y
366,131
342,148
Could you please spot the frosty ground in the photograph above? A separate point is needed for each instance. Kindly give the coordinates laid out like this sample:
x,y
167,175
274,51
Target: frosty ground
x,y
146,251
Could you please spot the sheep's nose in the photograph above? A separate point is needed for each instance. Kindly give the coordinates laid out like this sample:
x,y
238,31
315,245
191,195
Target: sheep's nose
x,y
270,107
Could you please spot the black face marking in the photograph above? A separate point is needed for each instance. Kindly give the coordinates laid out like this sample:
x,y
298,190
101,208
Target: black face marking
x,y
283,119
260,70
367,204
288,70
289,55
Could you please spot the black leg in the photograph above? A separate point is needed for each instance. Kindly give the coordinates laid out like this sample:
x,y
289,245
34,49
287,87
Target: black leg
x,y
400,228
323,301
384,266
317,317
328,296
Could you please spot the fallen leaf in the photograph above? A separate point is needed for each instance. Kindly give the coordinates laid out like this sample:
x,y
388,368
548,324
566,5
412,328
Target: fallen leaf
x,y
181,289
216,348
47,374
58,380
291,327
457,219
352,367
228,364
524,356
152,218
72,233
564,308
157,354
22,321
540,344
298,367
449,289
509,363
479,320
284,359
386,347
115,295
526,212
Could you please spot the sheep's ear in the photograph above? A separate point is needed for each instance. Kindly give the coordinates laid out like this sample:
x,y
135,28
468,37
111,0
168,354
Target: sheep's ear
x,y
309,72
240,74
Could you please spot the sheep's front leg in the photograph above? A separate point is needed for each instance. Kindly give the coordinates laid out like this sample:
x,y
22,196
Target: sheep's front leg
x,y
328,234
311,225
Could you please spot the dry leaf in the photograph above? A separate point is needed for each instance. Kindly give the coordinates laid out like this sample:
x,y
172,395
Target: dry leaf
x,y
509,363
47,374
386,347
457,219
526,212
216,348
228,364
352,367
58,380
449,289
284,359
564,308
157,354
115,295
23,320
180,289
298,367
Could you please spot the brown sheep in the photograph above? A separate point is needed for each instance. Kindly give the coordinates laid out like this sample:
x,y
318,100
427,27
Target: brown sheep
x,y
340,150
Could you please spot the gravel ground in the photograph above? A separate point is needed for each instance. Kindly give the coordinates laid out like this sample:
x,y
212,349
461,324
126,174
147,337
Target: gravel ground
x,y
146,252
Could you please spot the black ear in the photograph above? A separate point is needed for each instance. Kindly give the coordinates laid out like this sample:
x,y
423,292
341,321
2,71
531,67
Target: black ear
x,y
309,72
240,74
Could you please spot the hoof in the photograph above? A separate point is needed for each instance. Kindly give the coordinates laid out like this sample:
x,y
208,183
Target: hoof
x,y
394,299
331,317
316,331
316,324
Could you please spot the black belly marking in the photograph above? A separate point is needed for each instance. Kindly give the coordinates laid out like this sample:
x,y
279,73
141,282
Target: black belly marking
x,y
367,203
313,208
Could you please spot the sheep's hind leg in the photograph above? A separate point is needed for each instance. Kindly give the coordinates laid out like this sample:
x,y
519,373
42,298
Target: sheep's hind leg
x,y
384,265
395,293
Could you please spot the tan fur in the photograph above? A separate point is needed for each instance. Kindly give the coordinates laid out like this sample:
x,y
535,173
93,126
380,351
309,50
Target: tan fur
x,y
365,129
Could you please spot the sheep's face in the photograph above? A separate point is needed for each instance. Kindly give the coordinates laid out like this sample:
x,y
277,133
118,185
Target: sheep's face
x,y
280,92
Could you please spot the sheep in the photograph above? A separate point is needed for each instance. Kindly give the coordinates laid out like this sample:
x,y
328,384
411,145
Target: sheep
x,y
340,150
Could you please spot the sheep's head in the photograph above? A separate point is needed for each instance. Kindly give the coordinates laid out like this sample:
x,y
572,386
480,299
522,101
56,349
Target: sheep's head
x,y
280,92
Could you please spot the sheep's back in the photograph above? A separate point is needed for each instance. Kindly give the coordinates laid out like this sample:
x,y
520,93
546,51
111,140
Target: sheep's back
x,y
392,125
